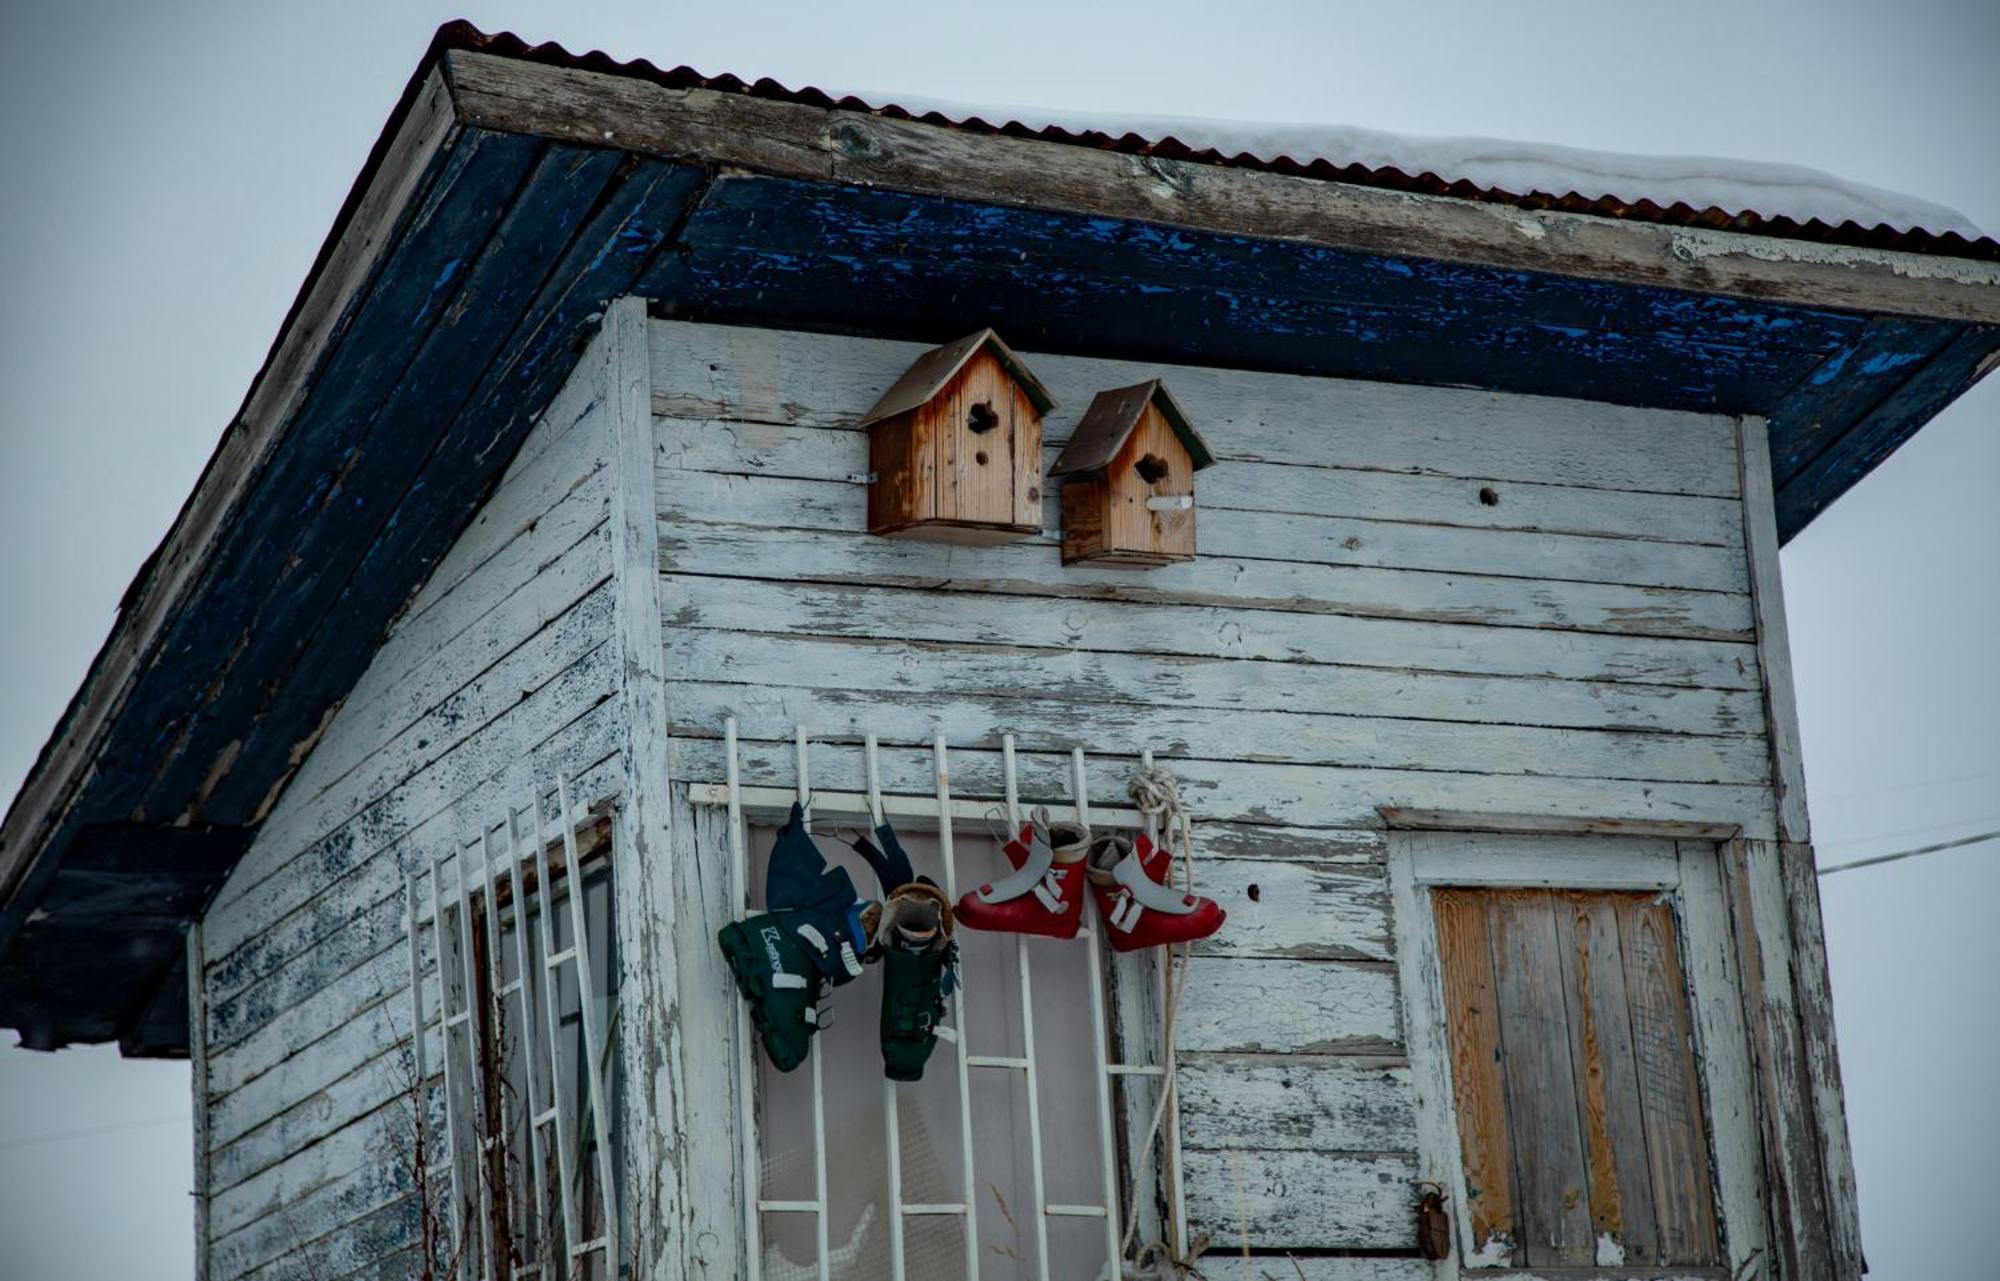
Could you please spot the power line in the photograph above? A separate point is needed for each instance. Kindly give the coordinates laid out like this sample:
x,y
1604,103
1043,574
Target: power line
x,y
1897,833
92,1132
1899,854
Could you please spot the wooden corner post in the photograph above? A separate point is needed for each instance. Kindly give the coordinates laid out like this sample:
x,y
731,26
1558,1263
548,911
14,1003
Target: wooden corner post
x,y
1781,937
649,1027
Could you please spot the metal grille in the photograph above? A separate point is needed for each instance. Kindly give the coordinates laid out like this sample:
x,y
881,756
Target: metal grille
x,y
945,810
525,1161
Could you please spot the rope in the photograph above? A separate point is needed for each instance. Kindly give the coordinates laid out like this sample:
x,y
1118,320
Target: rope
x,y
1155,794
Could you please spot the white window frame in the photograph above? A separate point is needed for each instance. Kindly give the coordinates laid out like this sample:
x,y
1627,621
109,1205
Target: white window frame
x,y
1689,873
939,811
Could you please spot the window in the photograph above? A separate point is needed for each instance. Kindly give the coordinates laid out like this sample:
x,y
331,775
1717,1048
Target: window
x,y
1013,1156
521,1181
1576,997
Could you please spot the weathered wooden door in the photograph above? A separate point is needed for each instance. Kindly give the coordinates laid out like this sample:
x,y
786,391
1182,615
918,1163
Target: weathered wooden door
x,y
1589,1108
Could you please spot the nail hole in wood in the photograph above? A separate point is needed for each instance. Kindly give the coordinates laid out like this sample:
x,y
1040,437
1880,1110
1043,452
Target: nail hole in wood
x,y
1256,895
1489,497
979,457
1151,469
981,418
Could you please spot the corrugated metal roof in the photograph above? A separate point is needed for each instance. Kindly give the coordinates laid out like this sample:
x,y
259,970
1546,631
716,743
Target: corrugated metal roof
x,y
464,36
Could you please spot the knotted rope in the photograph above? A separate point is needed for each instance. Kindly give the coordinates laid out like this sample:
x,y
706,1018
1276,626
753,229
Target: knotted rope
x,y
1157,797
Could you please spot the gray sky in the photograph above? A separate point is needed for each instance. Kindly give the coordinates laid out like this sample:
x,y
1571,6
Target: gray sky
x,y
171,170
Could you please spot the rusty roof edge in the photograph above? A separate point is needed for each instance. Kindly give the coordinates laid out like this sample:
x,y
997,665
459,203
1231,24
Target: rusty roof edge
x,y
463,36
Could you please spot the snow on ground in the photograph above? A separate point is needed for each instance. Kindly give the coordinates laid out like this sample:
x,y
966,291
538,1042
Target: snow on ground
x,y
1770,189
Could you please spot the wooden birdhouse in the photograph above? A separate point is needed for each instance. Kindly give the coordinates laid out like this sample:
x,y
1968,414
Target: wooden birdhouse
x,y
956,447
1128,480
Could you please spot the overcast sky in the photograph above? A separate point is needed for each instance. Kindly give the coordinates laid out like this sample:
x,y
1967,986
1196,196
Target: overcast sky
x,y
171,170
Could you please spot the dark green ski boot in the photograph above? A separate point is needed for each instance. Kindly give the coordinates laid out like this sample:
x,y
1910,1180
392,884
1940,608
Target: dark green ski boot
x,y
779,981
919,969
814,936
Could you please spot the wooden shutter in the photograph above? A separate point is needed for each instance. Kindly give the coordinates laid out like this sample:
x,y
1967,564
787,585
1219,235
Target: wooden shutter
x,y
1579,1102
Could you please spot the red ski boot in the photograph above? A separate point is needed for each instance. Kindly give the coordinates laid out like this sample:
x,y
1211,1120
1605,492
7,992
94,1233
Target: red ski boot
x,y
1131,884
1044,894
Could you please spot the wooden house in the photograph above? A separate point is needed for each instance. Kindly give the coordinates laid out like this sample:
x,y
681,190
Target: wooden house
x,y
411,818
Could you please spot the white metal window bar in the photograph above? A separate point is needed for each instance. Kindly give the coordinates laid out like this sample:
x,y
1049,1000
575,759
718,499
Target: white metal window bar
x,y
945,809
478,1129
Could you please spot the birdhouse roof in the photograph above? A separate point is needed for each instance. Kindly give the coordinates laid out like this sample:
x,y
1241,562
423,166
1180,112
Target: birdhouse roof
x,y
1109,422
940,365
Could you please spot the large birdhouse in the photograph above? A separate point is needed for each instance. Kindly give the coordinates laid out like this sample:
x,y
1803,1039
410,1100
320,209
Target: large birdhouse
x,y
1128,480
956,447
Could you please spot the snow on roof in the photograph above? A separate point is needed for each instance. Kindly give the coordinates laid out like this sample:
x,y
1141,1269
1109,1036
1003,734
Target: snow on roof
x,y
1768,189
1781,200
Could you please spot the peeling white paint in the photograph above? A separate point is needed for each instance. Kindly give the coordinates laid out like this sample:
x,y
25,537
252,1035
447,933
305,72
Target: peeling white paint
x,y
1610,1251
1693,245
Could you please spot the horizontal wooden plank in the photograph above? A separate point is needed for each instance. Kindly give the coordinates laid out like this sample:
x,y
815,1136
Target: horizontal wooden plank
x,y
1056,723
1544,862
1034,569
1288,1007
1510,511
1547,825
1300,1200
1004,674
731,603
1281,794
857,147
1260,841
712,371
1292,908
841,506
1310,1104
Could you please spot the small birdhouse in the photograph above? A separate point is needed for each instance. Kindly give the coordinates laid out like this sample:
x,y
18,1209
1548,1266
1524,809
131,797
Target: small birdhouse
x,y
956,447
1128,480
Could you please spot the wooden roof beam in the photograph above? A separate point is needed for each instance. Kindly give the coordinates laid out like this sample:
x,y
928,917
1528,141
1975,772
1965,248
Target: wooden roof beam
x,y
795,140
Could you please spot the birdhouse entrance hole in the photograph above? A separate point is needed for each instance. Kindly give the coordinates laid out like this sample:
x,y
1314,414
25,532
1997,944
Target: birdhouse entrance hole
x,y
1152,469
955,446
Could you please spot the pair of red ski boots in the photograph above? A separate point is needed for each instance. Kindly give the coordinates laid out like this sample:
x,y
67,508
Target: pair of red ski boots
x,y
1130,880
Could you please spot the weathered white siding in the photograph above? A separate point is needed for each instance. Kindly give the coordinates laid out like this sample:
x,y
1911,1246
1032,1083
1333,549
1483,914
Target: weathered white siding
x,y
502,672
1415,597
